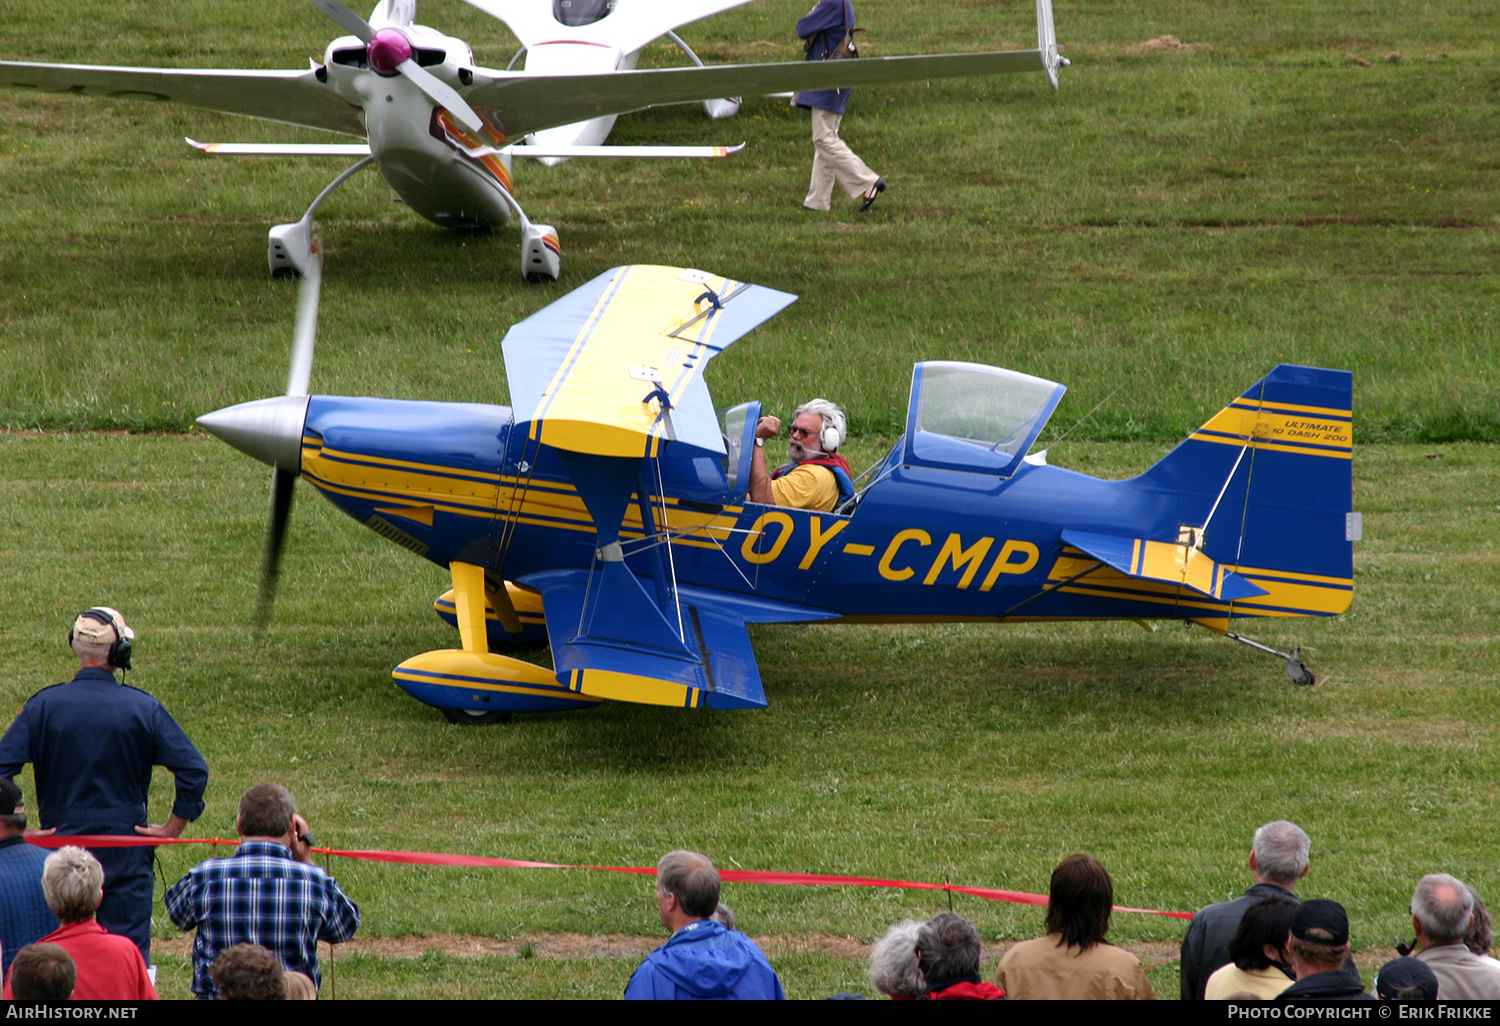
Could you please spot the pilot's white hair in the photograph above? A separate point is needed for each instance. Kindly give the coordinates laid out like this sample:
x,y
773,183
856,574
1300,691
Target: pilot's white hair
x,y
832,414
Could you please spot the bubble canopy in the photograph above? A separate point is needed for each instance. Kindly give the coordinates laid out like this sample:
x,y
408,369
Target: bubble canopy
x,y
975,418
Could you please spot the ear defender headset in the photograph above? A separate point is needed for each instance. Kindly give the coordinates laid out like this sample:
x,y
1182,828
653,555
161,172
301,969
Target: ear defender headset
x,y
119,651
832,435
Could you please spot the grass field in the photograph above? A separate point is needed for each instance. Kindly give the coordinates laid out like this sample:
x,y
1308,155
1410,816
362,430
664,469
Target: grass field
x,y
1172,223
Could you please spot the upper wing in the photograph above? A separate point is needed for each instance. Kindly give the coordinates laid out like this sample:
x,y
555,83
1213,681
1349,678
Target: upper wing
x,y
588,372
526,103
630,26
291,97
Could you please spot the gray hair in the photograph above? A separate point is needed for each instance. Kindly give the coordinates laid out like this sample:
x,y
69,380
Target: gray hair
x,y
1443,906
724,915
72,881
947,948
893,962
1481,934
691,879
832,414
1281,850
91,652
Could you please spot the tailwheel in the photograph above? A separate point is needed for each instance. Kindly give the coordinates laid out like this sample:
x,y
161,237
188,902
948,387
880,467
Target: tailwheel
x,y
467,718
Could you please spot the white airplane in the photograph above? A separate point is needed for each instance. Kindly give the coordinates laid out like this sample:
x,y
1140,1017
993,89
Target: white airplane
x,y
442,130
573,37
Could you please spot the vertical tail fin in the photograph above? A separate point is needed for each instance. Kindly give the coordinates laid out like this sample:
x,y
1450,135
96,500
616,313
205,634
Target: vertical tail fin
x,y
1272,475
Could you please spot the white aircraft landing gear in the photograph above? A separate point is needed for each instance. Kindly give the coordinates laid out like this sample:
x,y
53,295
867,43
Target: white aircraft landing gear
x,y
729,106
290,245
541,253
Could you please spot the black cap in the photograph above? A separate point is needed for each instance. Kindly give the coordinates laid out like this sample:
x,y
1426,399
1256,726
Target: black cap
x,y
10,797
1325,916
1400,973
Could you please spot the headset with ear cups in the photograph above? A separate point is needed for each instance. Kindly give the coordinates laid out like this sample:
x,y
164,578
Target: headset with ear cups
x,y
834,426
119,650
830,437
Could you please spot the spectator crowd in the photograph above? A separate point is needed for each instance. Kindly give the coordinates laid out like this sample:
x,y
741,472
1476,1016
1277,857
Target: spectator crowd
x,y
73,924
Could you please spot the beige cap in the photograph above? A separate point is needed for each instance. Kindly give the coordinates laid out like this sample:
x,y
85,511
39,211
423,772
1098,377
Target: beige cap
x,y
91,629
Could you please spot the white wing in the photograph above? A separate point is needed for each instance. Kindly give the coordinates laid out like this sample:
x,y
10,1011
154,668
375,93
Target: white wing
x,y
528,103
293,97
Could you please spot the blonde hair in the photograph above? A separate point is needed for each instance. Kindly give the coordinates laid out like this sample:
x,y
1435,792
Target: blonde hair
x,y
72,882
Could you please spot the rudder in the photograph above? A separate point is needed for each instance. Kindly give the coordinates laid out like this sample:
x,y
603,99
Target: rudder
x,y
1282,520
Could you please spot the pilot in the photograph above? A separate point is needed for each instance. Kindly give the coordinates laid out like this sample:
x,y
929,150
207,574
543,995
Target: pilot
x,y
814,476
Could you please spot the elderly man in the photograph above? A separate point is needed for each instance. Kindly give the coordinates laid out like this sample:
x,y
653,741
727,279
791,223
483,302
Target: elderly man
x,y
24,915
948,957
814,476
1318,946
109,967
703,959
92,744
1278,859
1442,910
268,893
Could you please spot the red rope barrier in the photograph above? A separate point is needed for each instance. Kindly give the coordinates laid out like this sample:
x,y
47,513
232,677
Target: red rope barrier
x,y
428,858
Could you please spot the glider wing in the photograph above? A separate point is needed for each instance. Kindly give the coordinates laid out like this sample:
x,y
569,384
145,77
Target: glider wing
x,y
525,103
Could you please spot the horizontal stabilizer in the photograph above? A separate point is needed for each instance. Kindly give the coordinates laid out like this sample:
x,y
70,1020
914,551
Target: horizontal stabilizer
x,y
283,149
1167,562
615,367
635,152
620,654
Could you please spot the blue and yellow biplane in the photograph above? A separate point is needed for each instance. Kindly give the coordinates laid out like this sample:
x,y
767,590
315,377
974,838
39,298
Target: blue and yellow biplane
x,y
606,509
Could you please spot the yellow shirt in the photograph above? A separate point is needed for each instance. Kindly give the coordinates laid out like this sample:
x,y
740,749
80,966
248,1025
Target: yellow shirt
x,y
806,486
1231,979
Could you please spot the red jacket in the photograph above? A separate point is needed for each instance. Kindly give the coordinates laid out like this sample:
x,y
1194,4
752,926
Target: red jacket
x,y
110,967
965,990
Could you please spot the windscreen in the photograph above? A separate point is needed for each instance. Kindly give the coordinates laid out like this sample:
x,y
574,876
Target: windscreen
x,y
987,406
581,12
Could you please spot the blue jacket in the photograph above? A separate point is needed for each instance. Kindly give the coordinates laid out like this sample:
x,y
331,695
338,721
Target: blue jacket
x,y
704,961
24,915
825,26
92,743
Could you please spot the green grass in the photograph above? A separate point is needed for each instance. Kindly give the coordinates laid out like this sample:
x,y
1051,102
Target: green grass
x,y
1172,223
1176,221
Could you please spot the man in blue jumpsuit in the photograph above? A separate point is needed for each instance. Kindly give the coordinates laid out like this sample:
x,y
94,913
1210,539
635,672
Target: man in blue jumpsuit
x,y
823,28
92,743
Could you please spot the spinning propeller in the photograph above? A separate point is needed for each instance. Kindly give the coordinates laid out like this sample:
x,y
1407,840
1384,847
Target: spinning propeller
x,y
388,51
271,429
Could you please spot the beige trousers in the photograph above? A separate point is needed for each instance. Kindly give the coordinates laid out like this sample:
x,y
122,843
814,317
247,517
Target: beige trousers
x,y
834,160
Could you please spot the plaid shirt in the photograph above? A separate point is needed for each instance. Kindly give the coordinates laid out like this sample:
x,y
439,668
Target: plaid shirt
x,y
260,895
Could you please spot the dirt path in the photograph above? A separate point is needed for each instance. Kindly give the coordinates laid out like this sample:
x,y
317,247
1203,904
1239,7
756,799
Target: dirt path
x,y
625,946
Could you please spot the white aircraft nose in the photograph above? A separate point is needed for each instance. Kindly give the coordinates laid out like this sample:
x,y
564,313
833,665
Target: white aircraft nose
x,y
268,429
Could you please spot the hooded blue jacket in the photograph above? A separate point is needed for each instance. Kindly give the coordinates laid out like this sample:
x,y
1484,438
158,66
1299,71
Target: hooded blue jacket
x,y
704,961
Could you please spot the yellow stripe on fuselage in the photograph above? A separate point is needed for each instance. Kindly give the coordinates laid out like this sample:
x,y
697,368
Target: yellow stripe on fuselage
x,y
1310,593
